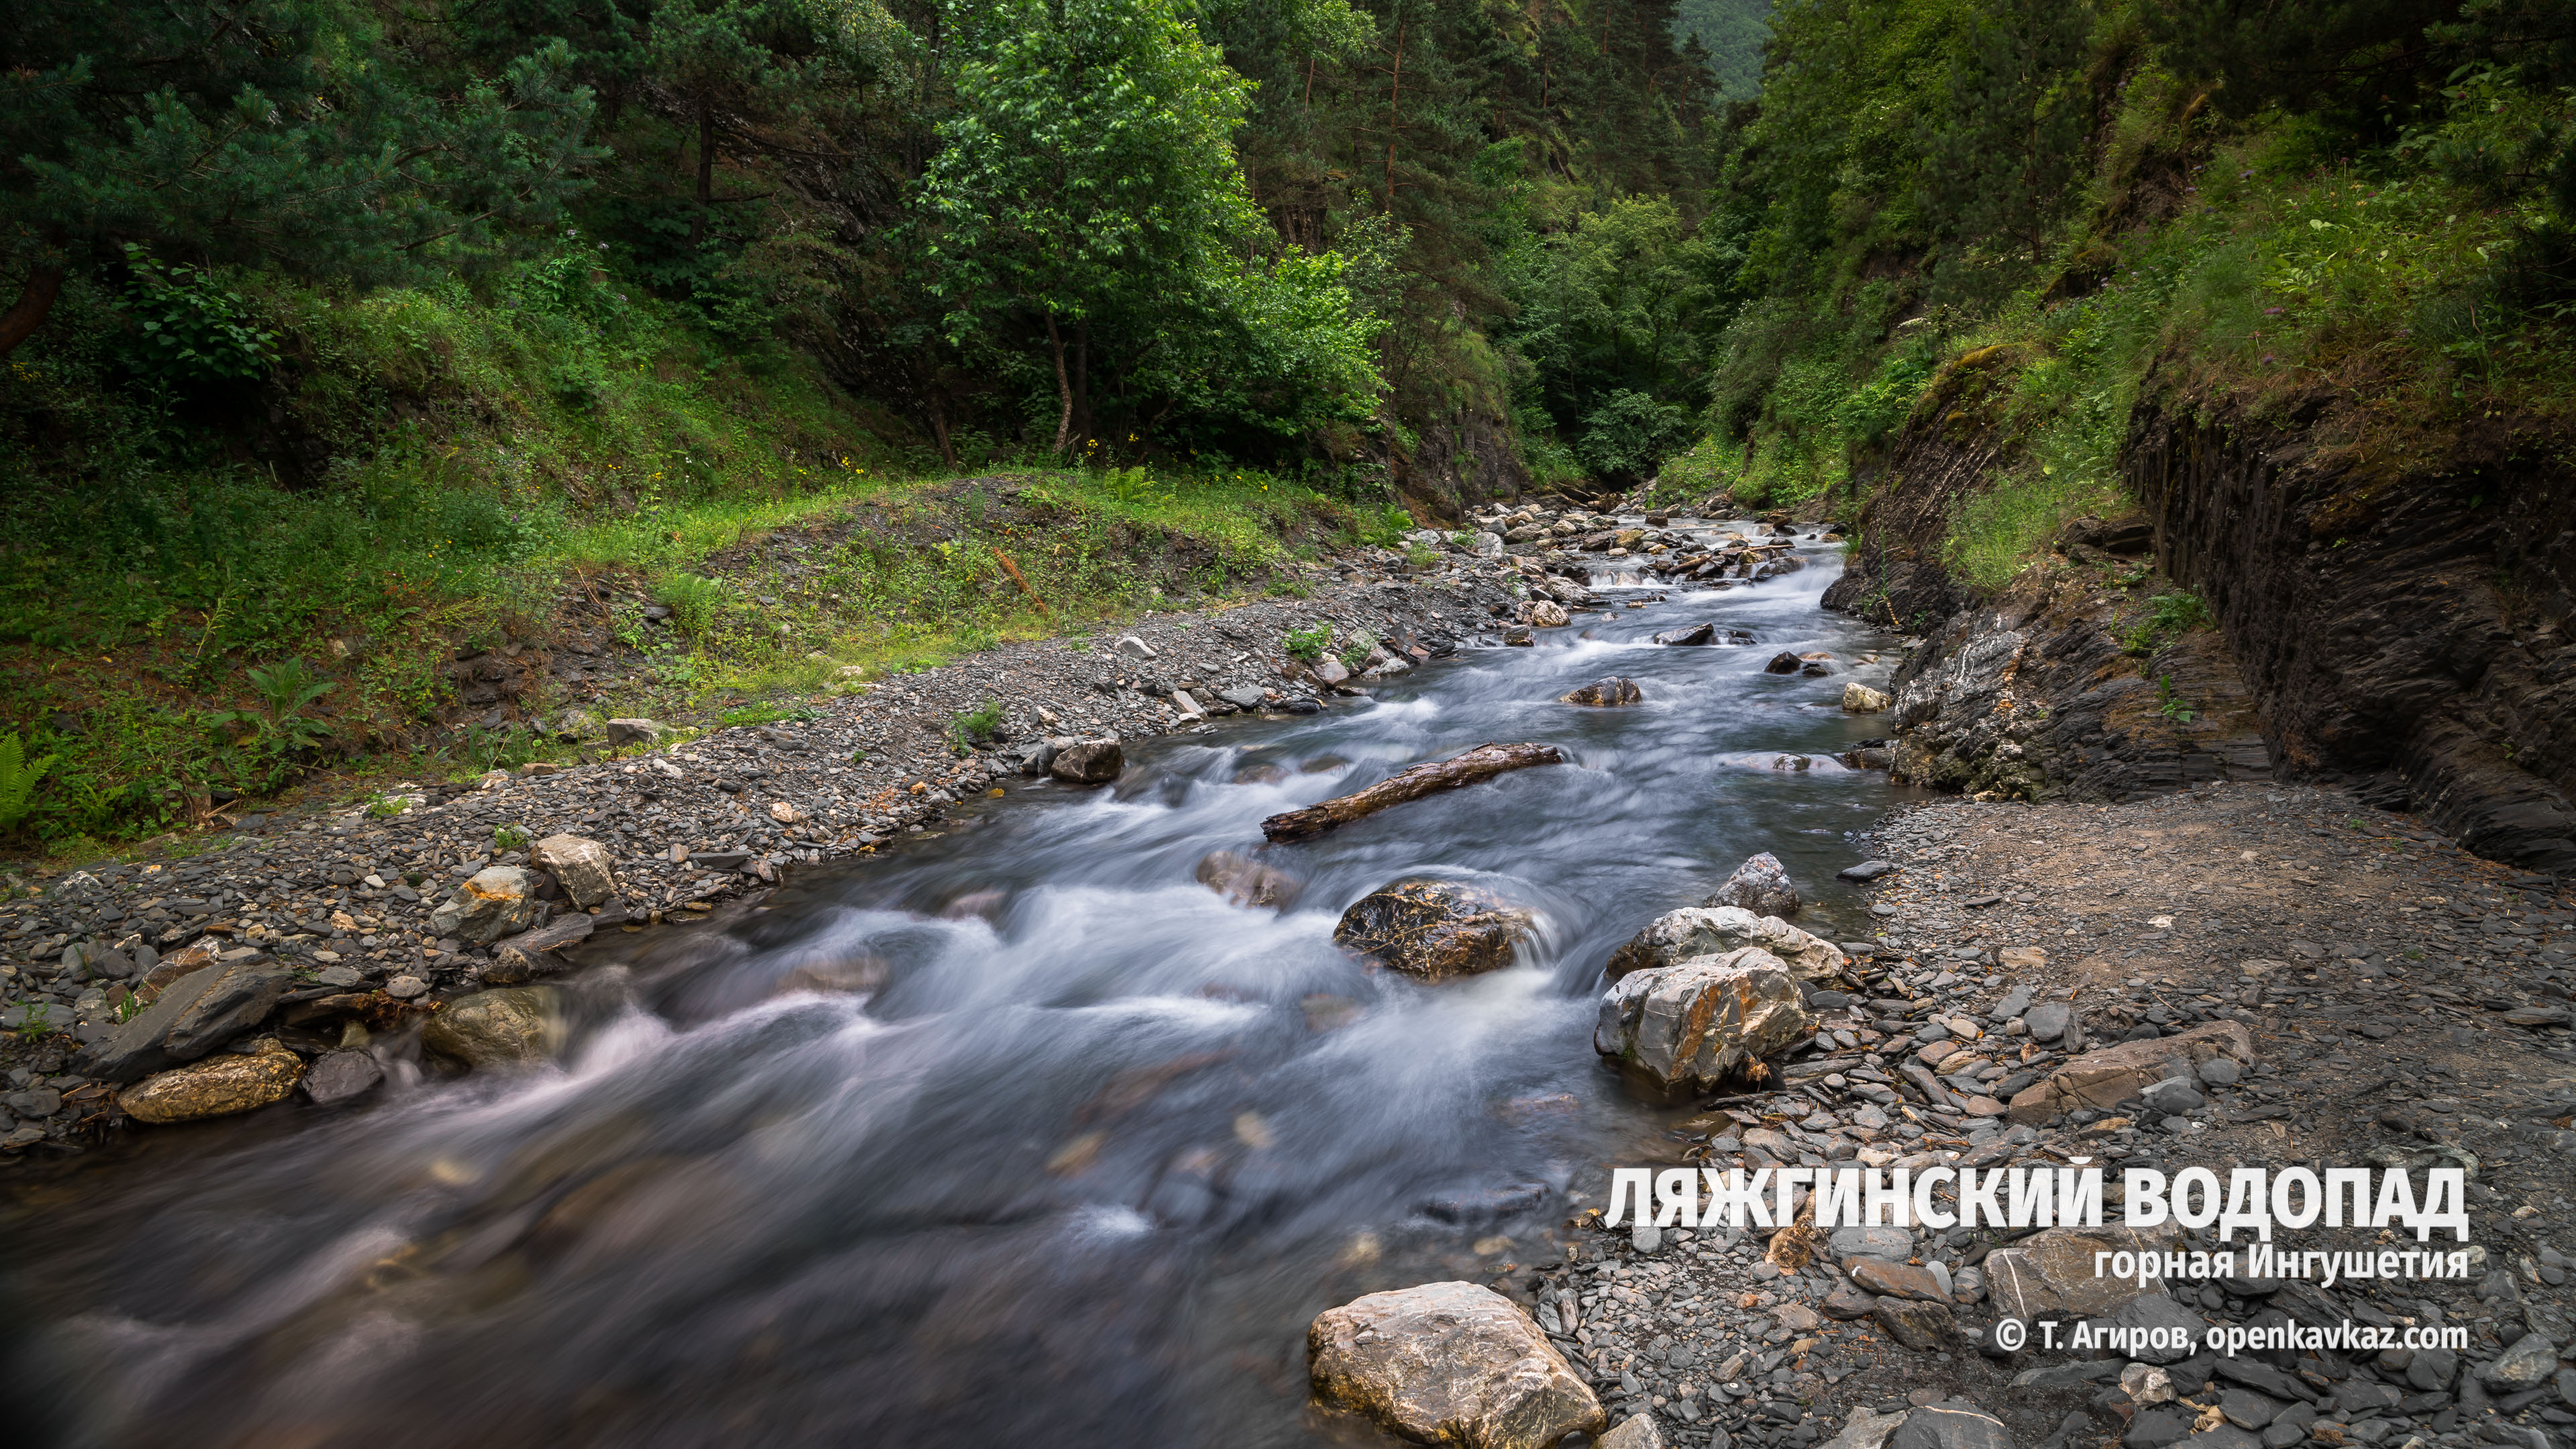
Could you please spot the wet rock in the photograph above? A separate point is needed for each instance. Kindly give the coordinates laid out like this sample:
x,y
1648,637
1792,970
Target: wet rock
x,y
1088,762
1694,634
233,1082
1866,871
1698,1022
863,972
2050,1274
584,868
1242,697
1711,931
1247,882
342,1076
636,731
1546,614
514,1026
496,902
1859,698
1449,1363
1953,1425
1923,1327
1612,690
531,953
1783,663
1760,885
2108,1075
1433,929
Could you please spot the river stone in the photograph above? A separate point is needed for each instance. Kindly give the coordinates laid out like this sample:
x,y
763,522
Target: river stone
x,y
2526,1365
230,1083
2048,1020
1875,1241
509,1027
1859,698
531,953
1243,696
1922,1327
1865,1429
1546,614
1694,634
1451,1364
1709,931
1610,690
1434,929
1897,1280
1760,885
2113,1074
191,1017
584,868
1783,663
2050,1274
1698,1022
498,901
342,1076
1088,762
1637,1431
1246,882
1952,1425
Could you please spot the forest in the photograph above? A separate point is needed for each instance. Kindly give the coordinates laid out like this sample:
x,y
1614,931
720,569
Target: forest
x,y
334,321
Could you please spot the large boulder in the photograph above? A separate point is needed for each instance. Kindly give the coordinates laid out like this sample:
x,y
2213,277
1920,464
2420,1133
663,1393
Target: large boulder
x,y
1697,1022
1859,698
2050,1274
1706,931
1433,929
1610,690
1545,613
515,1026
1088,762
500,901
1694,634
1760,885
191,1016
1450,1364
584,868
233,1082
2109,1075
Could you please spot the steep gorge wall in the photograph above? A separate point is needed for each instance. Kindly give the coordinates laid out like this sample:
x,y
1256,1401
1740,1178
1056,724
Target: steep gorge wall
x,y
2403,629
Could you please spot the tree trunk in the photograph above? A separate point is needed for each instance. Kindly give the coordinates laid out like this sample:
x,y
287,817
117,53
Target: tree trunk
x,y
1081,382
35,300
1063,389
939,429
706,172
1483,762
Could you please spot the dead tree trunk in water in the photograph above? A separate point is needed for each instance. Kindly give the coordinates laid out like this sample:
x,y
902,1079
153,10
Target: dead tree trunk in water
x,y
1483,762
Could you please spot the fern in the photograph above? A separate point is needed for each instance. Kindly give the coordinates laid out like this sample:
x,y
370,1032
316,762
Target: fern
x,y
18,780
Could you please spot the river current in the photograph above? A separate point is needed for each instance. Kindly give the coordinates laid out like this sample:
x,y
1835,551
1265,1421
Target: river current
x,y
1077,1173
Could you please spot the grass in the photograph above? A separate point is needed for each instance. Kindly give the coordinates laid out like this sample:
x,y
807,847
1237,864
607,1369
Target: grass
x,y
180,630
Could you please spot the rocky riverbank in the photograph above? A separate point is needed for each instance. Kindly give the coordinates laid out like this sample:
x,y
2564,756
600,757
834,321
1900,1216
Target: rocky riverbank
x,y
2340,985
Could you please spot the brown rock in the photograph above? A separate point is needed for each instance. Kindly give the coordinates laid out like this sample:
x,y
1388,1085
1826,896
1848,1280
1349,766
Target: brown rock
x,y
228,1084
1923,1327
2111,1074
1089,762
1433,929
2051,1273
1247,882
584,868
1897,1280
1450,1364
1848,1303
1612,690
1700,1021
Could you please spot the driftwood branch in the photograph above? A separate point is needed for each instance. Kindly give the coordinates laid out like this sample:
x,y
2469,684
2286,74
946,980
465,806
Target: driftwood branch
x,y
1483,762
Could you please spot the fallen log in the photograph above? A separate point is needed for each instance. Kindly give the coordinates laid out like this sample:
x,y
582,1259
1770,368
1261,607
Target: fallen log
x,y
1481,763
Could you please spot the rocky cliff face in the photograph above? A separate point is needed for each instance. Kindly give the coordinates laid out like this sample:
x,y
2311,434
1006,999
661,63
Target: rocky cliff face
x,y
2402,630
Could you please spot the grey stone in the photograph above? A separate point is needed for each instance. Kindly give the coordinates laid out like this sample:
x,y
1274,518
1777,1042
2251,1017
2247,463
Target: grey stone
x,y
584,868
2173,1095
1867,870
2221,1072
2433,1369
512,1027
530,953
1950,1426
2225,1436
1242,696
1637,1431
342,1076
36,1102
1760,885
1088,762
2526,1365
1645,1237
2247,1409
636,731
2047,1021
497,901
2155,1428
1895,1244
1923,1327
2015,1002
2069,1374
2154,1311
193,1015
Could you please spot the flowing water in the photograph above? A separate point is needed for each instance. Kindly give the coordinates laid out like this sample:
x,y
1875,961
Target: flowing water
x,y
1077,1174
